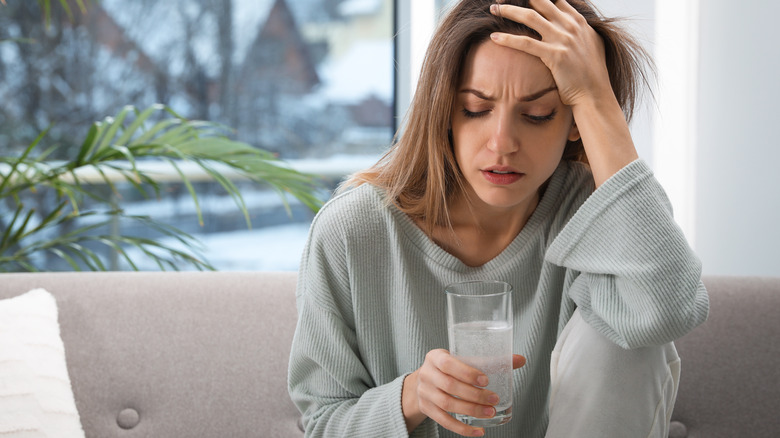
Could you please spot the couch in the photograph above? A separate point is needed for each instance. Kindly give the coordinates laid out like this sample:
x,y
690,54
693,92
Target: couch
x,y
194,354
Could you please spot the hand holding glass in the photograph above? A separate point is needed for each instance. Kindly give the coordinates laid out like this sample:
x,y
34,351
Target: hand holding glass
x,y
479,325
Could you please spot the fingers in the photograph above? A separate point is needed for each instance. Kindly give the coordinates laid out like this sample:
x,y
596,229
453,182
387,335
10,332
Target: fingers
x,y
519,42
456,379
548,9
544,9
544,16
566,7
517,361
449,365
530,17
438,409
446,385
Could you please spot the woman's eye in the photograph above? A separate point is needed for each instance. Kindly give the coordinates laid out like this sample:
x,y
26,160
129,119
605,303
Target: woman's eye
x,y
473,115
541,119
530,117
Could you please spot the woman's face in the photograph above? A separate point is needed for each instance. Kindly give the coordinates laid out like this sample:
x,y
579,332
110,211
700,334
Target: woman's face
x,y
509,126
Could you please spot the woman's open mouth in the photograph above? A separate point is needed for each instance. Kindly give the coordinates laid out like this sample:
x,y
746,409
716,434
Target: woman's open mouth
x,y
501,177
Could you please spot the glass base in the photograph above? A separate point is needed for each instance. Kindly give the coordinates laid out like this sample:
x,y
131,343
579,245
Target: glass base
x,y
501,417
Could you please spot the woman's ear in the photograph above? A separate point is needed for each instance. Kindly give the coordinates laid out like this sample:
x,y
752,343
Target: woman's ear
x,y
574,133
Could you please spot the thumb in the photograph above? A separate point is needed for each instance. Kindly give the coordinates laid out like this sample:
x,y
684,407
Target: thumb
x,y
517,361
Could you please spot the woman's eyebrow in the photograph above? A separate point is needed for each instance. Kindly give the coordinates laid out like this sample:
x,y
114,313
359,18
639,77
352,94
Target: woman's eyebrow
x,y
529,98
477,93
533,96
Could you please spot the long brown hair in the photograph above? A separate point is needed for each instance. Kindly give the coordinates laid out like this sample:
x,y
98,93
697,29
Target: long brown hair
x,y
419,172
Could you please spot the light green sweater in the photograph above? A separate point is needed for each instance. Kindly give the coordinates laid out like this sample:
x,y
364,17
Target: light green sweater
x,y
371,298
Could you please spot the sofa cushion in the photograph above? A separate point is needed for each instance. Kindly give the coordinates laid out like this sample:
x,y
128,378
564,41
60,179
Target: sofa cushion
x,y
176,354
730,371
35,392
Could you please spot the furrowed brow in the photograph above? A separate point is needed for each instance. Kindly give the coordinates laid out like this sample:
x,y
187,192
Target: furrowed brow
x,y
477,93
529,98
538,94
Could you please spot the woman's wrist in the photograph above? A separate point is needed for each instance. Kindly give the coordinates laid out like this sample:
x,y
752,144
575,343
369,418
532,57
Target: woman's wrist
x,y
409,403
605,135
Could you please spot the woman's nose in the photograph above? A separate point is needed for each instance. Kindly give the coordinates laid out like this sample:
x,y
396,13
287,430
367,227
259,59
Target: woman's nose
x,y
503,139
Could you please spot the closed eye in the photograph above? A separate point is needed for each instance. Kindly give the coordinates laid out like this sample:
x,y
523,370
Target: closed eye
x,y
538,120
474,115
530,117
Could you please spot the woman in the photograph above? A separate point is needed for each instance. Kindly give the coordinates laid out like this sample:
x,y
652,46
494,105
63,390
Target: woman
x,y
516,164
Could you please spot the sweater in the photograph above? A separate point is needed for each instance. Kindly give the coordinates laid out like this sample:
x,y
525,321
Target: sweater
x,y
371,299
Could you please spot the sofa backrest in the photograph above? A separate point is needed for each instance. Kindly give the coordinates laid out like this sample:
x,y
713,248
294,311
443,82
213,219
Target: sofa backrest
x,y
730,382
175,354
178,354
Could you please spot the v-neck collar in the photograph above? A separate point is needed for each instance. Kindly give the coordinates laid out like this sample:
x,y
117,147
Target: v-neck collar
x,y
537,219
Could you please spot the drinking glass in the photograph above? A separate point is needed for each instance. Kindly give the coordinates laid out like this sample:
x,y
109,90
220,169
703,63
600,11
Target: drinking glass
x,y
479,325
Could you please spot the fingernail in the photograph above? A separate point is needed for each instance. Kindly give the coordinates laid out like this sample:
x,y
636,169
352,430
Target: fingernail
x,y
493,399
482,381
478,432
495,36
489,412
493,9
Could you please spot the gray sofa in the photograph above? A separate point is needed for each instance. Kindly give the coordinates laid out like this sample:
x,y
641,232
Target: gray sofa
x,y
192,354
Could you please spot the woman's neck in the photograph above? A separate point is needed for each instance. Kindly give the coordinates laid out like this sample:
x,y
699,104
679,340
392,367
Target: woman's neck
x,y
480,232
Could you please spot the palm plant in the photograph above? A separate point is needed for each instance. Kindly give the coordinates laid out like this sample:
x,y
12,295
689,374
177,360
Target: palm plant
x,y
46,6
122,148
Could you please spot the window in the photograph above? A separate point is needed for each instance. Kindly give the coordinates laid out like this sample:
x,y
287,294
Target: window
x,y
310,80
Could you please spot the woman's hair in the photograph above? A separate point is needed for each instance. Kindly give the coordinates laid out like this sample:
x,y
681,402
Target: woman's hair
x,y
419,172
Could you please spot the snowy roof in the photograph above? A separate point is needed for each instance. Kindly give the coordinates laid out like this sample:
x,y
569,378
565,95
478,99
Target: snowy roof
x,y
248,17
343,80
166,25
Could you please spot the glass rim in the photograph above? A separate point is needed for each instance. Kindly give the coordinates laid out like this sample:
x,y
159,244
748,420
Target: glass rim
x,y
509,289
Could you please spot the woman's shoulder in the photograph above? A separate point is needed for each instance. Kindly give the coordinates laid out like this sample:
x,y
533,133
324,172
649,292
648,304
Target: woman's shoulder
x,y
577,174
570,185
355,201
355,207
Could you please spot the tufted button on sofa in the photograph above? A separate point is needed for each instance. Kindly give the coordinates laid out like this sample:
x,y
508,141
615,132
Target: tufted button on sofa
x,y
204,354
128,419
677,430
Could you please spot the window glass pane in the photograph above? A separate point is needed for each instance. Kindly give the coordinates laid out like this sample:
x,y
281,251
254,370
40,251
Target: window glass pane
x,y
443,5
310,80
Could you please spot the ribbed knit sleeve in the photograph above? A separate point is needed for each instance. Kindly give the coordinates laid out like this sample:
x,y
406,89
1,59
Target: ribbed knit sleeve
x,y
328,379
640,281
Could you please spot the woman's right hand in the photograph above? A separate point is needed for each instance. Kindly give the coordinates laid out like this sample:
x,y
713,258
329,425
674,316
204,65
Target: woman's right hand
x,y
443,384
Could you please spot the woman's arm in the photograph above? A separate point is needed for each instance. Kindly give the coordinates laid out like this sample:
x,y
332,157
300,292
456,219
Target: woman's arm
x,y
328,379
574,53
332,387
639,281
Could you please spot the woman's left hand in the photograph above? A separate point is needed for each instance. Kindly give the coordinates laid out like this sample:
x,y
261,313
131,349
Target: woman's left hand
x,y
570,48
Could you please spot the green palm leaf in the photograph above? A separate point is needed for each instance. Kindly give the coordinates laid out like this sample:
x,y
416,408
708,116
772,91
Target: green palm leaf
x,y
129,147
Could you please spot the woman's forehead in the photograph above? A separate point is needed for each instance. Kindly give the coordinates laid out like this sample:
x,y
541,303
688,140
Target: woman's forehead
x,y
489,65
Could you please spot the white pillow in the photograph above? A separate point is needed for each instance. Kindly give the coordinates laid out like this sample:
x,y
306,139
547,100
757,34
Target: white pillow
x,y
36,399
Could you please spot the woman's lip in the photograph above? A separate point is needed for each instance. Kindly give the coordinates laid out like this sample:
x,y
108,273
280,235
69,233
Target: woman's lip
x,y
501,178
498,168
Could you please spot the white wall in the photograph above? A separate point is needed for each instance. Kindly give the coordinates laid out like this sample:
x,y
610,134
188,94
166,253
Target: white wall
x,y
727,194
639,18
738,181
